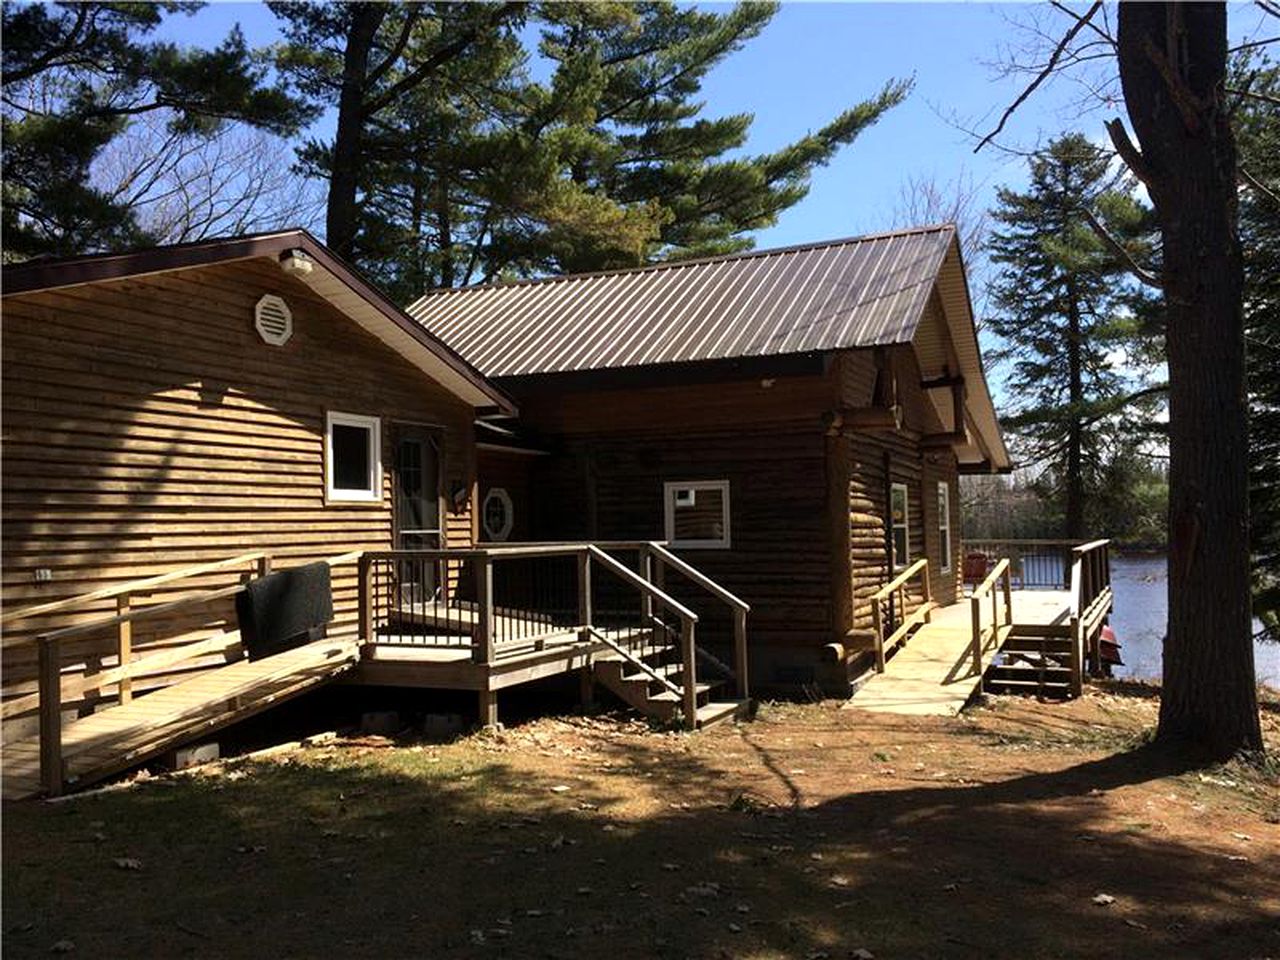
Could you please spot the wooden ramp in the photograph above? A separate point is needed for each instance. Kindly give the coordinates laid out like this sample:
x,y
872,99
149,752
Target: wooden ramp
x,y
932,673
120,737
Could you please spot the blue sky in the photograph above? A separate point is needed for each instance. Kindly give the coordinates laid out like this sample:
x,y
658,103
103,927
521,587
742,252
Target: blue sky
x,y
816,59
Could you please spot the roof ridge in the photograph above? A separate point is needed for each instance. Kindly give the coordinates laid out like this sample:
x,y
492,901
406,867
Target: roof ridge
x,y
696,261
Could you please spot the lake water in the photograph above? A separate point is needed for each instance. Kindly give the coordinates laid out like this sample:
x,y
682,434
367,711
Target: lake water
x,y
1140,585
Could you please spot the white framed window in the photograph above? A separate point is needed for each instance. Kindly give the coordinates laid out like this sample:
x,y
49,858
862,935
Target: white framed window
x,y
497,514
697,514
900,523
944,524
352,458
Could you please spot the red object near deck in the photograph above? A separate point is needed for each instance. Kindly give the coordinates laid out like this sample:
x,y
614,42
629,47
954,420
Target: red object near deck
x,y
1109,648
976,566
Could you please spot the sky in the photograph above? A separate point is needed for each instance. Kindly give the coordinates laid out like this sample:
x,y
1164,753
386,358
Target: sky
x,y
816,59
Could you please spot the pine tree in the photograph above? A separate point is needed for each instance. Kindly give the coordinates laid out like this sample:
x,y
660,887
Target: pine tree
x,y
605,161
1063,313
74,76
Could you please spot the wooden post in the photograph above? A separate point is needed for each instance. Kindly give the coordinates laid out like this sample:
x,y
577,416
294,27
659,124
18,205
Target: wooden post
x,y
51,774
740,652
646,571
489,708
365,588
690,673
264,565
124,648
878,626
584,589
975,616
482,641
1008,596
1077,672
928,591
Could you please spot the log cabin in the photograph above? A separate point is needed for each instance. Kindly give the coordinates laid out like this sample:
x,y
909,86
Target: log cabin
x,y
792,420
175,407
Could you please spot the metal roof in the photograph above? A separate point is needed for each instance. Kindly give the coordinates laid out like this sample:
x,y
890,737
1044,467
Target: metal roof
x,y
841,294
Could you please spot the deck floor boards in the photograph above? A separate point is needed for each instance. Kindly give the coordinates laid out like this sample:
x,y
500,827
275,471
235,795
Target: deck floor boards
x,y
932,674
103,743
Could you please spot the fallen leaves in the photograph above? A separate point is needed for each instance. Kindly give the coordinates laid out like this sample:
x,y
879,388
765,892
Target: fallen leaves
x,y
127,863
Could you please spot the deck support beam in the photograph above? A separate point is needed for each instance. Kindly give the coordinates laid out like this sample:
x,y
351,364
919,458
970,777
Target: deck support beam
x,y
489,709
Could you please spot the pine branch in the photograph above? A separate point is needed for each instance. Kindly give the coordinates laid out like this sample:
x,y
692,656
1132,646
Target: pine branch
x,y
1118,248
1257,184
1265,98
438,59
1043,75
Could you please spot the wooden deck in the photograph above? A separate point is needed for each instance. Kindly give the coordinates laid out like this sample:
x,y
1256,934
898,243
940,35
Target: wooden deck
x,y
932,673
96,746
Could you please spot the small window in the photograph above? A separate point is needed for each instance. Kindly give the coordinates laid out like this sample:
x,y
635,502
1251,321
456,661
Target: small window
x,y
901,525
498,514
944,524
353,457
697,514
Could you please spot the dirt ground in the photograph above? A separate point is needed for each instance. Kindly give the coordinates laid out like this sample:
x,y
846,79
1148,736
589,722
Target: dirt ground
x,y
1020,829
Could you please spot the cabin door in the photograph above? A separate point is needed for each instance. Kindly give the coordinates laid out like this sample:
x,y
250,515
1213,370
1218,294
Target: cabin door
x,y
416,483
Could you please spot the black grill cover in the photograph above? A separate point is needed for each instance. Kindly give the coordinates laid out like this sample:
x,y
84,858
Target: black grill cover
x,y
284,610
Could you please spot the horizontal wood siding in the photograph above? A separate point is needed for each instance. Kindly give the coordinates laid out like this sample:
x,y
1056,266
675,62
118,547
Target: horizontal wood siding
x,y
618,448
147,427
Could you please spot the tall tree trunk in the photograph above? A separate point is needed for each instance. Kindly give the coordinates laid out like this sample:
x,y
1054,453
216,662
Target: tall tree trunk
x,y
444,231
1075,426
1173,67
341,213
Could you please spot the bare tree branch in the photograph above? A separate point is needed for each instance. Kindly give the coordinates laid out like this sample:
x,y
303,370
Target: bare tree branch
x,y
1043,74
1118,248
1257,184
1129,153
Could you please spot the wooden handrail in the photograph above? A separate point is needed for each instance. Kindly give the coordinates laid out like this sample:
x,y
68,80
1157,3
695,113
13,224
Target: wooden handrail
x,y
49,693
901,579
698,577
739,607
140,613
1090,546
923,613
1002,571
638,581
988,584
132,586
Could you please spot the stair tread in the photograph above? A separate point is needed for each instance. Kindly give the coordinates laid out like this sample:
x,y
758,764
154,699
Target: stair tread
x,y
1055,684
640,653
717,710
666,670
666,696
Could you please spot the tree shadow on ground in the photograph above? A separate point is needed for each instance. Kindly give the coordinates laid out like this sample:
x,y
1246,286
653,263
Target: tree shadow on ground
x,y
650,852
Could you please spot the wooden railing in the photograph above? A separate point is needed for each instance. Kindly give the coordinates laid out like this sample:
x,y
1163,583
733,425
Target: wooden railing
x,y
1034,564
452,599
896,593
983,636
53,691
1091,602
655,558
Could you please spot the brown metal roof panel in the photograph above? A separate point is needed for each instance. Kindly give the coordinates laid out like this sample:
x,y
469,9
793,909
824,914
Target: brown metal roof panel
x,y
846,293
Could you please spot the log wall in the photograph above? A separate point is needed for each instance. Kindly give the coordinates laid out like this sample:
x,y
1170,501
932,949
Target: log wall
x,y
147,427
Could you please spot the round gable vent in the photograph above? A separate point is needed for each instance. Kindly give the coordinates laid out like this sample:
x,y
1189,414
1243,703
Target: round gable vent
x,y
273,320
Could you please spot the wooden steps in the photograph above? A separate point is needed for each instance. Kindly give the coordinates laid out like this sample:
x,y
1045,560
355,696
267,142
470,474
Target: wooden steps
x,y
1031,665
104,743
649,677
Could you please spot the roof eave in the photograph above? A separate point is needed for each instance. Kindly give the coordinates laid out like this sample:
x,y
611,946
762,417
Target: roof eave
x,y
367,305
